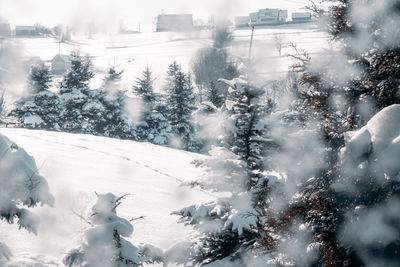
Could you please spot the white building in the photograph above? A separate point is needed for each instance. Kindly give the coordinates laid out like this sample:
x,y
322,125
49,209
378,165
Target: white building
x,y
268,16
60,63
301,16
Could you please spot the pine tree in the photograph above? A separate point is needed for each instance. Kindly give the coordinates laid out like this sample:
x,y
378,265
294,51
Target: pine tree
x,y
180,101
214,95
40,78
144,87
79,75
229,225
74,93
154,126
40,108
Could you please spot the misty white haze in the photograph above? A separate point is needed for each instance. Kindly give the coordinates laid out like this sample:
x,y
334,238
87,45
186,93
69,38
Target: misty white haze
x,y
199,133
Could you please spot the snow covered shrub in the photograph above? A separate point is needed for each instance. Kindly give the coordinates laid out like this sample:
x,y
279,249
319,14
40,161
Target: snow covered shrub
x,y
180,102
104,243
21,185
39,110
228,226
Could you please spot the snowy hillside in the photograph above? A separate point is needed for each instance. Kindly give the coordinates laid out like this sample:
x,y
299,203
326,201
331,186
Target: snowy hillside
x,y
76,166
133,52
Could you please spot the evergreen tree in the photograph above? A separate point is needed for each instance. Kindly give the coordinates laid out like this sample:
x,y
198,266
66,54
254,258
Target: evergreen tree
x,y
79,74
40,108
144,88
113,77
228,226
180,103
154,126
40,78
339,202
74,93
214,95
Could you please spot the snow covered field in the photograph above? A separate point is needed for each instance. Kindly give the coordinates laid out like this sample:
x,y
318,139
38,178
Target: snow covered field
x,y
133,52
76,166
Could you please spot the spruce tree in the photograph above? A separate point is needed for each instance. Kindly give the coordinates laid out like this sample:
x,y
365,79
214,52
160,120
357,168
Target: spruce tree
x,y
180,102
153,126
40,78
339,202
40,107
79,74
74,93
228,226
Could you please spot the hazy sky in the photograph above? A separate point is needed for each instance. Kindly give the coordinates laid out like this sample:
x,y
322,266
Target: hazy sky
x,y
132,12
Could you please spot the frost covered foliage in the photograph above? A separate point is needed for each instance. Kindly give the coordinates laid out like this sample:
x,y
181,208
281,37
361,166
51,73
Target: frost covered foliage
x,y
39,110
368,188
153,126
104,242
363,74
21,186
336,208
228,225
180,102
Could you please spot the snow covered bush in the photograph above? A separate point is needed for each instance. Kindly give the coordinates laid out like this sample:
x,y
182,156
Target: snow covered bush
x,y
104,242
228,226
39,110
21,185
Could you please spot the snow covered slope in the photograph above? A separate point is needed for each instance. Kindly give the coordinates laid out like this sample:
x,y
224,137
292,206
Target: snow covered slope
x,y
76,166
133,52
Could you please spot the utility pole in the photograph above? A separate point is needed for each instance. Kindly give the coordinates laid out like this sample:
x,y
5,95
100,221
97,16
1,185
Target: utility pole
x,y
251,42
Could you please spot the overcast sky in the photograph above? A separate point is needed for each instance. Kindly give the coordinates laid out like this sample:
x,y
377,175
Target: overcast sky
x,y
132,12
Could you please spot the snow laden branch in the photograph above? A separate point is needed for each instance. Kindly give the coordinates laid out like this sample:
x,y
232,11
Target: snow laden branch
x,y
21,185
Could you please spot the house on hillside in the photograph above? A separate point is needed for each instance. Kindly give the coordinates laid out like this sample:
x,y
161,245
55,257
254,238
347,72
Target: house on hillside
x,y
60,63
25,31
175,22
5,30
301,16
268,16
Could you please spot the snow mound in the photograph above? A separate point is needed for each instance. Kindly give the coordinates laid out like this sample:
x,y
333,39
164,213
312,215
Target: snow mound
x,y
378,140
